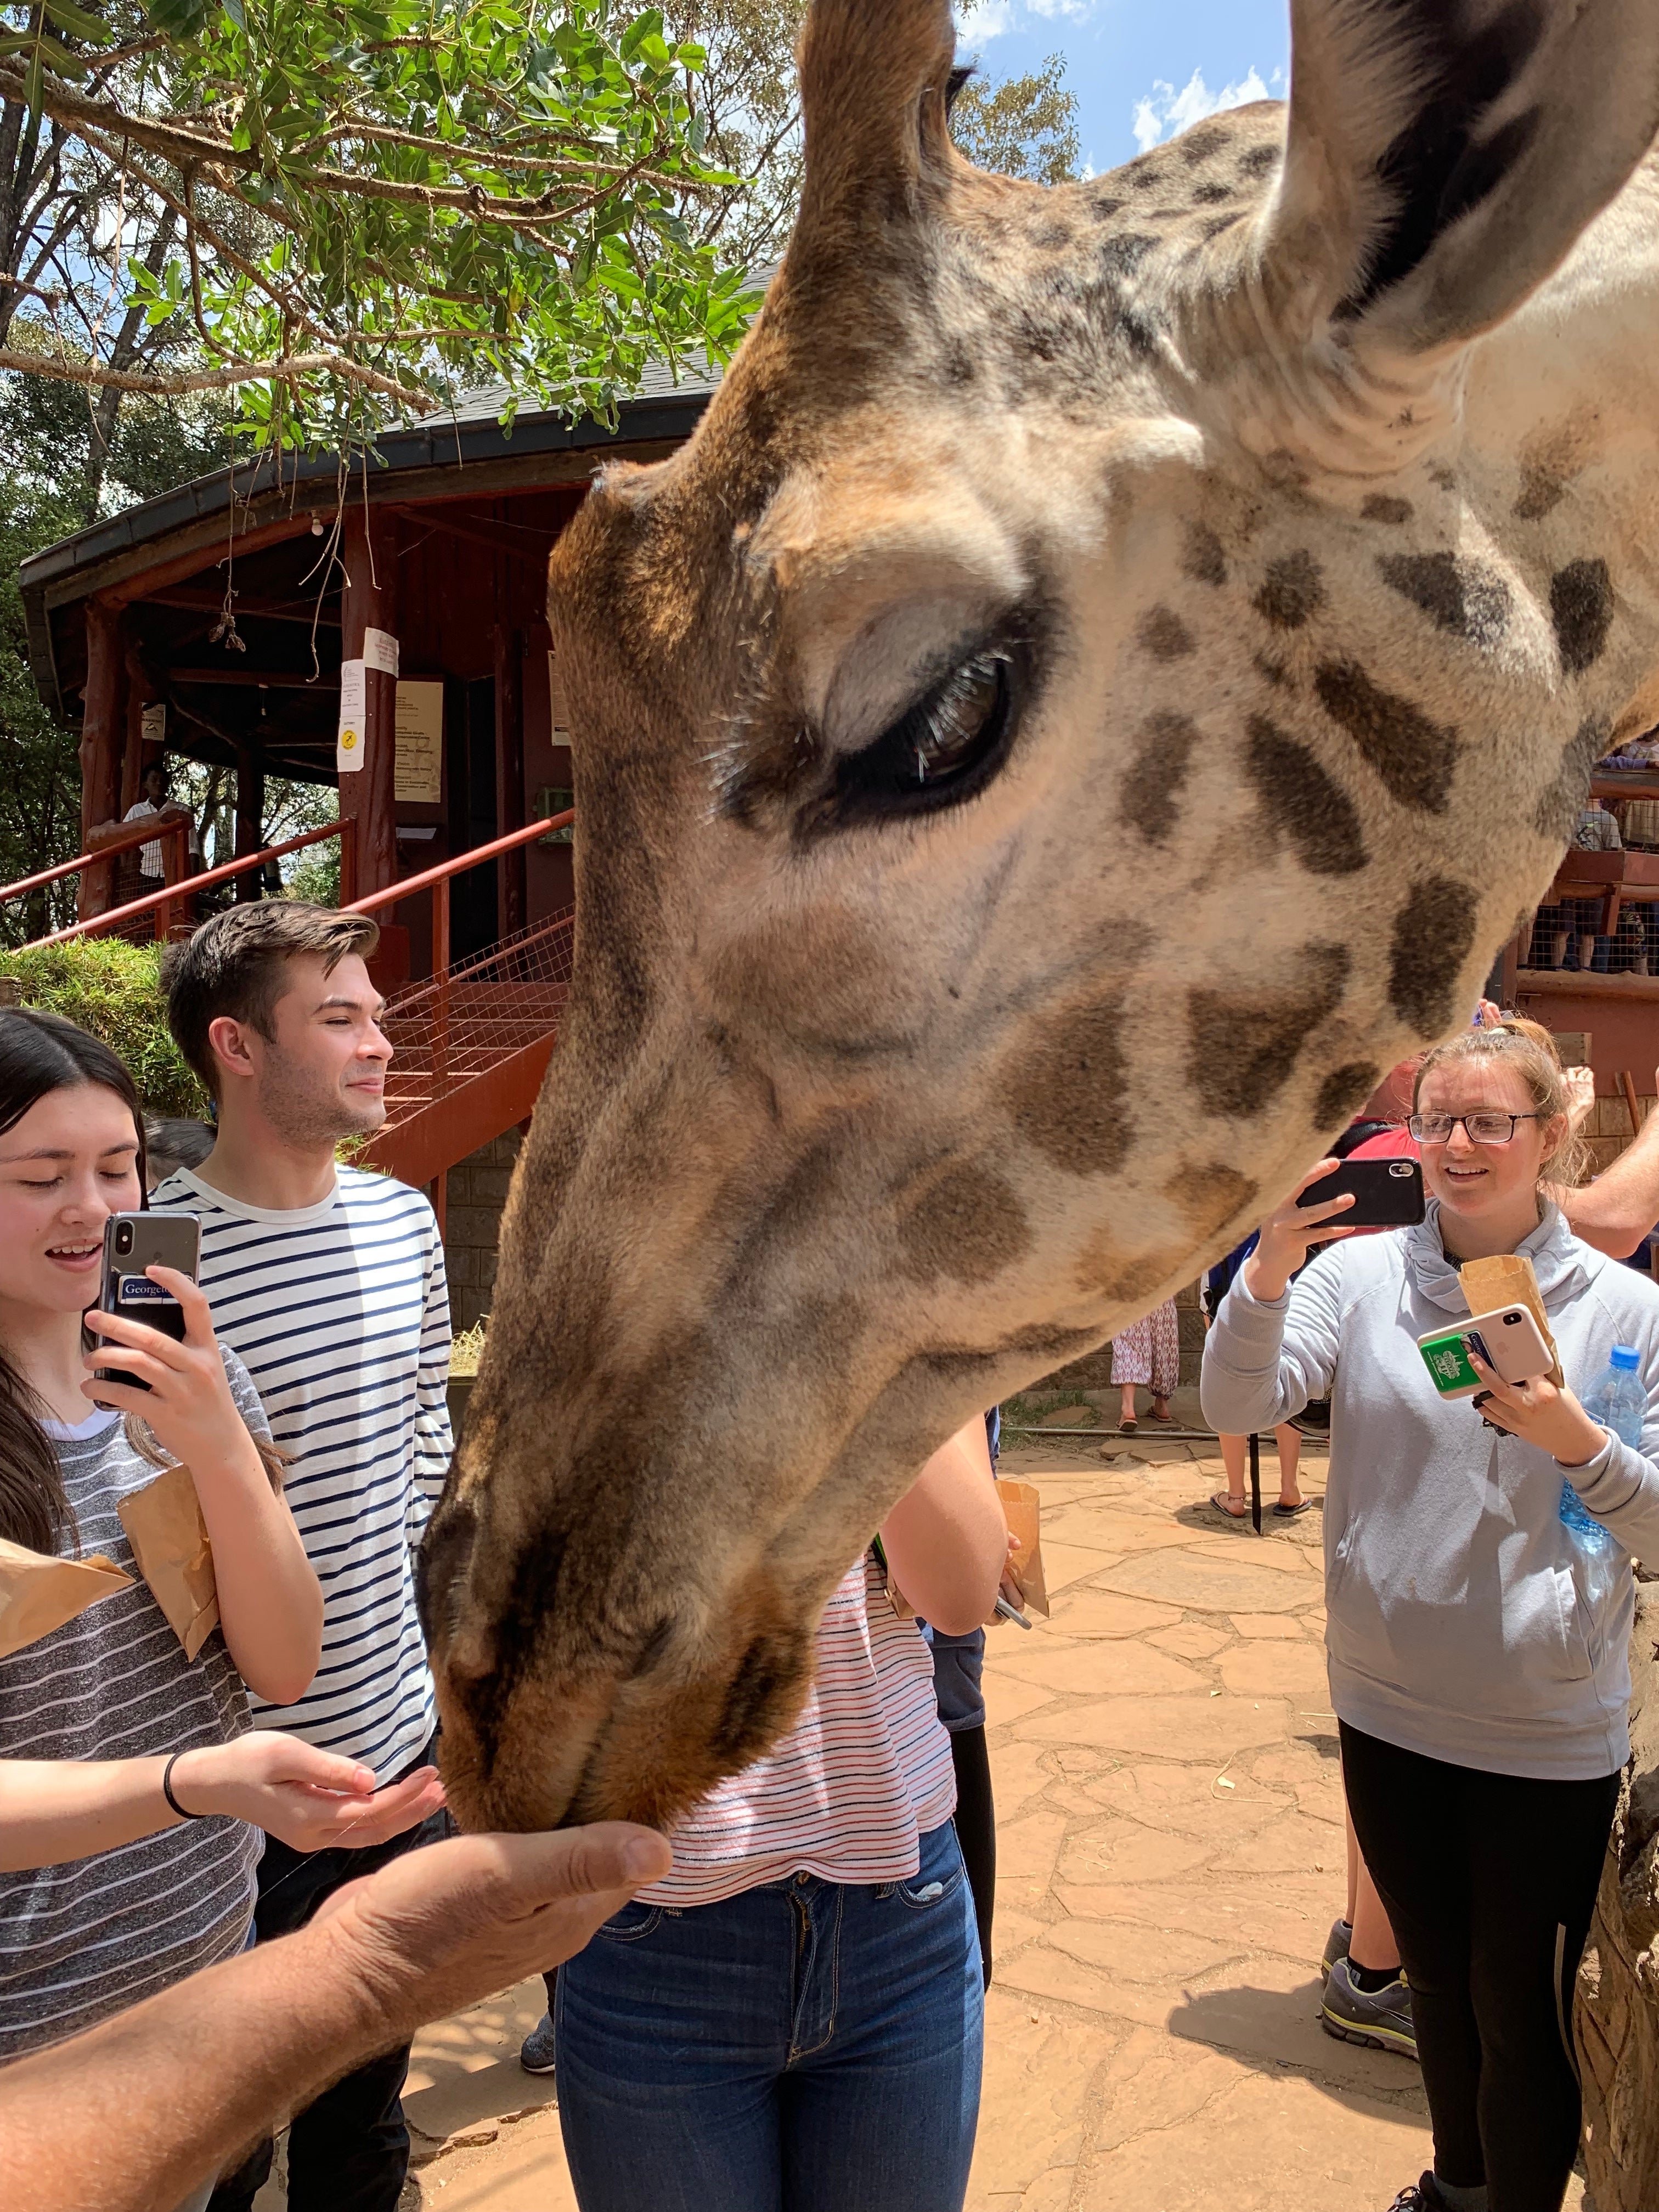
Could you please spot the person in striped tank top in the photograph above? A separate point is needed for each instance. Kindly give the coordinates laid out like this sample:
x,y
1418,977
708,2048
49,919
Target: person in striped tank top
x,y
127,1774
790,2021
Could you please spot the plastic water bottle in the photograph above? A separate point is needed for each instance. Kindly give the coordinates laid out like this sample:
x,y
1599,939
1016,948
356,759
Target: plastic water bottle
x,y
1619,1403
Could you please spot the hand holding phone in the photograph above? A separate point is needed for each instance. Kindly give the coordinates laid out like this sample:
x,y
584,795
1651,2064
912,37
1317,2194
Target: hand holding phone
x,y
1290,1232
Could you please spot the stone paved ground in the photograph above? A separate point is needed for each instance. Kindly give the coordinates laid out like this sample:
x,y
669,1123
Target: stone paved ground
x,y
1171,1855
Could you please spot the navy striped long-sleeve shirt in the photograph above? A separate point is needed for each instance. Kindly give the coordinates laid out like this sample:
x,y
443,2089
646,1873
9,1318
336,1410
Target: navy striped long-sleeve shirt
x,y
340,1313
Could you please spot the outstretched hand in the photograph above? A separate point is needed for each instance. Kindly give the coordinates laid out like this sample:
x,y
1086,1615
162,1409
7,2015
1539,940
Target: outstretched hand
x,y
310,1800
439,1929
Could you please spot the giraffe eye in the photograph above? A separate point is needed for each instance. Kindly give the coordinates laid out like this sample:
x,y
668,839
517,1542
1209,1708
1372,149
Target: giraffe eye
x,y
945,746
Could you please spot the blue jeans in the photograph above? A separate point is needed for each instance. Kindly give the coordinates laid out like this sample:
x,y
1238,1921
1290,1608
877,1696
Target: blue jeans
x,y
806,2046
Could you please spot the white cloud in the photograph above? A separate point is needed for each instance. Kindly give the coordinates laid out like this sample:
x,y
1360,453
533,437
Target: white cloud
x,y
1165,112
979,21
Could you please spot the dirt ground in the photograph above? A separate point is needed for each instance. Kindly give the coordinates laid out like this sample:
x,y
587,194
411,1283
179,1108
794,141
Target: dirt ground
x,y
1170,1855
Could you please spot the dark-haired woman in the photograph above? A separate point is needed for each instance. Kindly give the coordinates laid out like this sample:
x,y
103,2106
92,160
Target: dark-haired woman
x,y
131,1888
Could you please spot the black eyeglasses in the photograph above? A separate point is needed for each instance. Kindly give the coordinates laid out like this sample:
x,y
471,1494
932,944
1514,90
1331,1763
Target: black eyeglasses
x,y
1478,1128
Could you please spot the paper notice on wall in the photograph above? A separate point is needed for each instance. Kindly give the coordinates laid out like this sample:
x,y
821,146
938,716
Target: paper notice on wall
x,y
350,740
152,724
559,711
380,651
419,772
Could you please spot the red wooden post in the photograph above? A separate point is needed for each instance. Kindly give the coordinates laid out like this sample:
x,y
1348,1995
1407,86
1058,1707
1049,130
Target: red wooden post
x,y
369,794
510,896
440,977
102,728
133,762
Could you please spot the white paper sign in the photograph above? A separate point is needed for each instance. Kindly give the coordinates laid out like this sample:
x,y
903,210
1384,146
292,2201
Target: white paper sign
x,y
152,724
419,769
380,651
559,712
350,740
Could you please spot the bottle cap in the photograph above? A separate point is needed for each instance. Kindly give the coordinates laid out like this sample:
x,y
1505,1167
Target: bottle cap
x,y
1626,1358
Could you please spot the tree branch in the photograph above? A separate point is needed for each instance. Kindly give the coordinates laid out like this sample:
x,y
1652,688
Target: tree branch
x,y
288,370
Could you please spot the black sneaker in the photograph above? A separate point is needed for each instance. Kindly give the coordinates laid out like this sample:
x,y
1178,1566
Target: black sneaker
x,y
1423,2196
536,2052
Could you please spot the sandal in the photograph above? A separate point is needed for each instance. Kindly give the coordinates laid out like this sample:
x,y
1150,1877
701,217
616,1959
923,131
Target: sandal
x,y
1166,1416
1127,1428
1288,1512
1222,1501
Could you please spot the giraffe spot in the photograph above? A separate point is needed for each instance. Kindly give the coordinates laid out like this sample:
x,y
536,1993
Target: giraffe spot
x,y
1105,204
1145,180
1202,559
1293,591
966,1226
1541,491
1052,236
1259,160
1139,332
1068,1094
958,364
1240,1049
1580,607
1213,195
1465,596
1299,797
1414,758
1216,224
1344,1091
1198,145
1122,254
1209,1196
1274,671
1102,1271
1383,507
1164,635
1441,474
1157,774
1557,812
1432,934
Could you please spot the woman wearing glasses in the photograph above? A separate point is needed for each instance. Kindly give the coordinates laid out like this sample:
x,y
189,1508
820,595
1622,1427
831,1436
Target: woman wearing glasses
x,y
1481,1694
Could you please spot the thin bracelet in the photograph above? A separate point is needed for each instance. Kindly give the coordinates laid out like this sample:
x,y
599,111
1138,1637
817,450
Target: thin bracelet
x,y
167,1788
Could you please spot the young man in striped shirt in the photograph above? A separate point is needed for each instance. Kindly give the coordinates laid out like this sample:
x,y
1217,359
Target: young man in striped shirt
x,y
329,1285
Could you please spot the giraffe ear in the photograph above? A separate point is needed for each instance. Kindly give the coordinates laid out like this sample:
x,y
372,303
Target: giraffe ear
x,y
875,75
1443,155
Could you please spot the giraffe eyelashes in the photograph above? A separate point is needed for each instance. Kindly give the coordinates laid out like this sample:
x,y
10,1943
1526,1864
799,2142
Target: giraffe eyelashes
x,y
944,747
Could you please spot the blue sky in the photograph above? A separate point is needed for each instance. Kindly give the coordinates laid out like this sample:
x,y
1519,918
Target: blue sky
x,y
1134,62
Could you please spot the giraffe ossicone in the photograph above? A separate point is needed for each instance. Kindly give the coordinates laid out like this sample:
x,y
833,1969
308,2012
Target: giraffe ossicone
x,y
1106,675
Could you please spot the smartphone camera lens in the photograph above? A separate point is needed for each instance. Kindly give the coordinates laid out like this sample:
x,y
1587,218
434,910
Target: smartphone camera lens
x,y
123,1237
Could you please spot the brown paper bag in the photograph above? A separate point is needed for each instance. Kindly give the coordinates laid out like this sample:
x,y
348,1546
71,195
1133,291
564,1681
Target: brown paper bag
x,y
38,1594
169,1539
1509,1280
1023,1510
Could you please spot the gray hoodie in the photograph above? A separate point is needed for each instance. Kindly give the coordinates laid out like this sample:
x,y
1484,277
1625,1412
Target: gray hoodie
x,y
1458,1624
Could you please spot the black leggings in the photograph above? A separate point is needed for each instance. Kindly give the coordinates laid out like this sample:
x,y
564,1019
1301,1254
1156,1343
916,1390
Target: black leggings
x,y
1489,1881
976,1829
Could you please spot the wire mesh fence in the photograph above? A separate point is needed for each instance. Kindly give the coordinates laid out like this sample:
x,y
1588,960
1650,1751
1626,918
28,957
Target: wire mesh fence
x,y
451,1028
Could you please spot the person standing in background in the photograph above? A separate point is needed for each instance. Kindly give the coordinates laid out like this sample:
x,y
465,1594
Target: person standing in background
x,y
1149,1353
328,1284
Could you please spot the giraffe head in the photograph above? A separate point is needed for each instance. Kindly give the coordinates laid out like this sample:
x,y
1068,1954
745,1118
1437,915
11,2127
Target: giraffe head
x,y
1092,696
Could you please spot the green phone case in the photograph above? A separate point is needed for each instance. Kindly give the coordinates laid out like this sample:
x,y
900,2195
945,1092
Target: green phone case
x,y
1447,1358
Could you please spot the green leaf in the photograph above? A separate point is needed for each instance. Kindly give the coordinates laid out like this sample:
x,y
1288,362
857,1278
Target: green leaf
x,y
178,19
78,22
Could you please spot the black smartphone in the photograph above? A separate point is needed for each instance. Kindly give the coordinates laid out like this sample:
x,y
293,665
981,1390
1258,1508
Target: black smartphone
x,y
1387,1193
133,1241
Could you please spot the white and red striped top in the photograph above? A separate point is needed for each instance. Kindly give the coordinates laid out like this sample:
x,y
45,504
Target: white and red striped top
x,y
865,1771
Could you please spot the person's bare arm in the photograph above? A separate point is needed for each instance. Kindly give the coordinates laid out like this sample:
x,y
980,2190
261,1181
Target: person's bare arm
x,y
946,1539
1616,1211
52,1810
170,2093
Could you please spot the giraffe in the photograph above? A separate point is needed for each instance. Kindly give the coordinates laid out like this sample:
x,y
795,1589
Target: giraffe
x,y
1109,669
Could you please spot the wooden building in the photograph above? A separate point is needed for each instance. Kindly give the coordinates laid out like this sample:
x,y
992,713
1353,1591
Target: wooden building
x,y
212,623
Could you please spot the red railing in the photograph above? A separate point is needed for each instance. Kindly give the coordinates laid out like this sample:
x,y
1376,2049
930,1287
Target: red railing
x,y
171,833
157,902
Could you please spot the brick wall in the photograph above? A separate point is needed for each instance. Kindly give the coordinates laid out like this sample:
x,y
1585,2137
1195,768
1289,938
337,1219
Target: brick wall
x,y
472,1226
